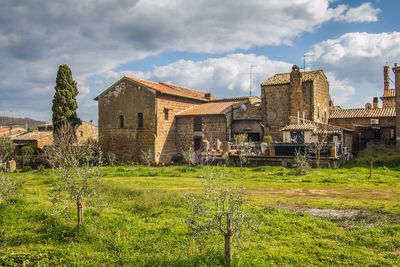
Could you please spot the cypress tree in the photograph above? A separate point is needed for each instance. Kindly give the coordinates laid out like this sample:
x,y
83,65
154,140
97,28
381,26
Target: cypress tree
x,y
64,102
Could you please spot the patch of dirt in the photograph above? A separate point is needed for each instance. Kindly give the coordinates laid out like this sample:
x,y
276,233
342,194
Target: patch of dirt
x,y
346,218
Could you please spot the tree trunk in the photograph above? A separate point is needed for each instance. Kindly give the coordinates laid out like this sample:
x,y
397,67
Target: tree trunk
x,y
228,243
79,206
318,157
189,166
370,169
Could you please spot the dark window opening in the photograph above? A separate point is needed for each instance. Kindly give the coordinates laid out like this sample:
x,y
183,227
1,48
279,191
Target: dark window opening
x,y
297,137
81,133
121,121
166,114
197,142
197,124
140,120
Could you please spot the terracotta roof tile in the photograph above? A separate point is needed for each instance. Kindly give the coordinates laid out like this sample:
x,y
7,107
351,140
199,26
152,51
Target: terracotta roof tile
x,y
171,89
35,135
211,108
363,113
282,78
300,127
319,128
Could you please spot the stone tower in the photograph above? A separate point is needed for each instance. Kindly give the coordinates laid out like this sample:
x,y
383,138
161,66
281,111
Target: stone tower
x,y
296,94
396,71
386,80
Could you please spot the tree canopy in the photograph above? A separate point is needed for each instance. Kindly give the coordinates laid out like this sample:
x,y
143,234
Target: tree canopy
x,y
64,102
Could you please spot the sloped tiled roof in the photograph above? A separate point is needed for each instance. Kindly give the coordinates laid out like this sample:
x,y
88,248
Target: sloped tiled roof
x,y
169,89
188,91
389,93
299,127
283,78
35,135
363,113
319,128
253,111
212,108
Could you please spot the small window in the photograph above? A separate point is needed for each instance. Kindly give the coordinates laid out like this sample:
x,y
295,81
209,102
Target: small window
x,y
121,121
197,124
166,114
325,116
140,120
81,133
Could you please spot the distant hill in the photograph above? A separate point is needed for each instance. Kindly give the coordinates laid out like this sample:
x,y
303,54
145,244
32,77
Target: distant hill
x,y
23,122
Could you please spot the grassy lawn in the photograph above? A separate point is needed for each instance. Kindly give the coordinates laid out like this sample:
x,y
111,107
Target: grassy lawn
x,y
142,221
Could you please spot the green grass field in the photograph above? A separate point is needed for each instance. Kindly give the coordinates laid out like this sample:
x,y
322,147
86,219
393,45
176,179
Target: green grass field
x,y
142,221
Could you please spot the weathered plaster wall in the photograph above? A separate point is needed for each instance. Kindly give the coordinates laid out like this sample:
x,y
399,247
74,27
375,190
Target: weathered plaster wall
x,y
127,98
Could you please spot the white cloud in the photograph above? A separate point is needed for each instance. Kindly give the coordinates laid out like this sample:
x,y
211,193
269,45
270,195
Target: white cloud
x,y
364,13
358,59
340,90
96,37
223,77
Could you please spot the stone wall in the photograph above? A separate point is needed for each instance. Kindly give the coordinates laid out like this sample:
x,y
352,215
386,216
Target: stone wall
x,y
320,99
121,103
280,101
166,145
349,123
87,131
276,109
213,127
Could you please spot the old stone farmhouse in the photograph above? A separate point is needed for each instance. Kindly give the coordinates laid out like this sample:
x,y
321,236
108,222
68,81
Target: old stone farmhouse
x,y
137,116
295,94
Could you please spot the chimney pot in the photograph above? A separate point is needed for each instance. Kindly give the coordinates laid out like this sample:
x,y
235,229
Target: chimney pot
x,y
375,103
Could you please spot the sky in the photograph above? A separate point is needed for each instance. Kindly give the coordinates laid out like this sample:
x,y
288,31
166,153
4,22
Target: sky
x,y
225,47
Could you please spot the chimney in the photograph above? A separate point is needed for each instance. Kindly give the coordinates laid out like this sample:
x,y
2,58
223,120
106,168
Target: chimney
x,y
296,93
386,80
396,71
375,103
207,96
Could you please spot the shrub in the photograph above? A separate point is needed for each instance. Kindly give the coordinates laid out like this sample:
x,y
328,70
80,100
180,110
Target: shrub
x,y
301,165
26,169
177,159
267,139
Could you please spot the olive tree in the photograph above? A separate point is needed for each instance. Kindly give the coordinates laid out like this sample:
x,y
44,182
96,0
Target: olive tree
x,y
79,171
187,154
219,211
317,146
239,143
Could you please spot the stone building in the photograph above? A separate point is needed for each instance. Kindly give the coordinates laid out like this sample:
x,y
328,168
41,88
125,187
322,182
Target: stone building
x,y
44,135
136,115
299,94
372,124
219,119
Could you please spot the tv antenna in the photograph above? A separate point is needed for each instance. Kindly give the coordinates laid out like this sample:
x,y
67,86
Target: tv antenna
x,y
305,56
250,73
